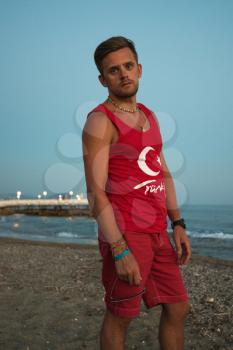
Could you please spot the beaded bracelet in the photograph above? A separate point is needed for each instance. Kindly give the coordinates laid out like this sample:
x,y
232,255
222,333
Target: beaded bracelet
x,y
118,243
121,255
119,246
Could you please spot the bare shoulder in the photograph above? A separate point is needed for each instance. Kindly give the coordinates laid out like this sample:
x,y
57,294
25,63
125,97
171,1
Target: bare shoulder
x,y
98,126
155,117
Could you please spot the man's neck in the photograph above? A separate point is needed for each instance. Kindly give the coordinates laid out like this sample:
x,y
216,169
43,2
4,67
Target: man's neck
x,y
127,102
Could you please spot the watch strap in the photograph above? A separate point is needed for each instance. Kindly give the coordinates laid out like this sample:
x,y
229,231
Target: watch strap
x,y
179,222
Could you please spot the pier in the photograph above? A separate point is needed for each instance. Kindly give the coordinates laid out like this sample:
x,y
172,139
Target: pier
x,y
45,207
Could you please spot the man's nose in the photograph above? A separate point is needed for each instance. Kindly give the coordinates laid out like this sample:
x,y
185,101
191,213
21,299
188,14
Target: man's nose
x,y
123,73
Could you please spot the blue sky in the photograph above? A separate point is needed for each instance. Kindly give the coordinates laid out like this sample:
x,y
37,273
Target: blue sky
x,y
49,82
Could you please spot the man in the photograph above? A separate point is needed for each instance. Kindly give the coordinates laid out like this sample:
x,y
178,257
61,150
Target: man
x,y
131,192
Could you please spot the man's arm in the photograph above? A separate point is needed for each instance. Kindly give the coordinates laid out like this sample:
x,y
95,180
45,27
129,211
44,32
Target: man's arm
x,y
96,137
180,237
172,207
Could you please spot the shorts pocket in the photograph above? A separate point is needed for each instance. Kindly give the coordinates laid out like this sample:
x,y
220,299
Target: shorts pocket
x,y
121,290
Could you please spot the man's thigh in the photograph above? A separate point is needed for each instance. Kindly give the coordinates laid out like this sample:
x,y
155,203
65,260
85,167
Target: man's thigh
x,y
165,282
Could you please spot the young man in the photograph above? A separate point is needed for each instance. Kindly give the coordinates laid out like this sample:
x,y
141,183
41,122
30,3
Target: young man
x,y
131,192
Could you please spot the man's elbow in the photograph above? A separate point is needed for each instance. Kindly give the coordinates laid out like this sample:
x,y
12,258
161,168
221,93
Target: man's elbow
x,y
97,200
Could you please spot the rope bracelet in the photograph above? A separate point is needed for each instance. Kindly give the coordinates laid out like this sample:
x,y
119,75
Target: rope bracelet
x,y
121,255
117,243
119,249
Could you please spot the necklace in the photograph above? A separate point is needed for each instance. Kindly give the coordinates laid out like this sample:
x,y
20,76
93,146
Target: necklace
x,y
123,108
128,110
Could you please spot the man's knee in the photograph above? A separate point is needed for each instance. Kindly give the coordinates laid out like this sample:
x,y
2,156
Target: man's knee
x,y
121,322
176,312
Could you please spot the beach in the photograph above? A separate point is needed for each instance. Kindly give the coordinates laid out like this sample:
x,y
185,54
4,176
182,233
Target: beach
x,y
52,299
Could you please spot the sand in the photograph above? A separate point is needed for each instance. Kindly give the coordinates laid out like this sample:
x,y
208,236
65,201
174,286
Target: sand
x,y
52,298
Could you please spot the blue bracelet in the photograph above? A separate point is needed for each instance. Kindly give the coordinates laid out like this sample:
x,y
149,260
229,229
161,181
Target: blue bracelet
x,y
121,255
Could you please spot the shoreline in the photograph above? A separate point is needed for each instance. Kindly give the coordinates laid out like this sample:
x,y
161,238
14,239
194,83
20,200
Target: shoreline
x,y
64,245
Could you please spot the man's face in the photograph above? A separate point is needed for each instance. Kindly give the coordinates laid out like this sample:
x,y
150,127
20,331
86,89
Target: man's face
x,y
121,73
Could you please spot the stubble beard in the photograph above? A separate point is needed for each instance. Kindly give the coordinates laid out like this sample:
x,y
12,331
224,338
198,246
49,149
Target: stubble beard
x,y
126,94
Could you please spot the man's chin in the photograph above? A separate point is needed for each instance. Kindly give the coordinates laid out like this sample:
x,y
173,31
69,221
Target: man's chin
x,y
126,94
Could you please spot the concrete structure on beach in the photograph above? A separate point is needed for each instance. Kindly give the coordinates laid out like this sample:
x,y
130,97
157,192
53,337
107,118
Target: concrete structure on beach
x,y
46,207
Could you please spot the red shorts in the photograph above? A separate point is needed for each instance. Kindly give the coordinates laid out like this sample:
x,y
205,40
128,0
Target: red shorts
x,y
161,283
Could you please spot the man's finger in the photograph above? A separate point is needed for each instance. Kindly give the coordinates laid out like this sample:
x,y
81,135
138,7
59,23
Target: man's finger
x,y
130,279
187,250
186,253
123,278
178,248
137,278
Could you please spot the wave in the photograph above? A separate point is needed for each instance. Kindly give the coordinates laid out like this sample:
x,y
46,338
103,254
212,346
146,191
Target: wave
x,y
67,235
192,234
215,235
64,234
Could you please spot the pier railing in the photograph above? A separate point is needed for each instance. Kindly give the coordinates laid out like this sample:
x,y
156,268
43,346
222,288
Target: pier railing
x,y
46,207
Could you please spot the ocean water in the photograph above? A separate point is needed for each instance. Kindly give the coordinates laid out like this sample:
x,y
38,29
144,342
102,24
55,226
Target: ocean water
x,y
210,228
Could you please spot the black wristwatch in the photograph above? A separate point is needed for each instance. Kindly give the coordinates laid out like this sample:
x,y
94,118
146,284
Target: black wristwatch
x,y
179,222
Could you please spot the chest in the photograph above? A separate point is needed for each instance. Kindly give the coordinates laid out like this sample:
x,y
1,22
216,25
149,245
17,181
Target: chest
x,y
138,122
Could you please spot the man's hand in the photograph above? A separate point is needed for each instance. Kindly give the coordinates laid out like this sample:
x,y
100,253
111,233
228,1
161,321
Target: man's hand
x,y
182,244
128,269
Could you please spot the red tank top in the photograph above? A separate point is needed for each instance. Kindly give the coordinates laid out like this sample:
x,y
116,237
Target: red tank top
x,y
135,185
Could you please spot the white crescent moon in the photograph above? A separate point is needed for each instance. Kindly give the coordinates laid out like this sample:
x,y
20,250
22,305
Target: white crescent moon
x,y
142,162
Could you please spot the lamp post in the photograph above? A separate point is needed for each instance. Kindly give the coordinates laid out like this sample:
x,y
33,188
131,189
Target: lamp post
x,y
18,194
45,194
71,194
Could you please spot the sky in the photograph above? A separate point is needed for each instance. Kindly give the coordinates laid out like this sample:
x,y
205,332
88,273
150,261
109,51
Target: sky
x,y
49,83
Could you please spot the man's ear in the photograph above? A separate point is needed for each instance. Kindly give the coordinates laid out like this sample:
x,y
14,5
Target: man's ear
x,y
139,70
102,80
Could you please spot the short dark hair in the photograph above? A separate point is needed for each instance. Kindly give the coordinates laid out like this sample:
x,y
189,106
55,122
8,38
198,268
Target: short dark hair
x,y
110,45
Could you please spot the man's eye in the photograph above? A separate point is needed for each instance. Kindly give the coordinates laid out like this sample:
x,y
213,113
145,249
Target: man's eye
x,y
113,70
129,65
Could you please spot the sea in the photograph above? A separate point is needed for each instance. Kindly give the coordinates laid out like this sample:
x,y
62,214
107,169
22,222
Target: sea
x,y
210,228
